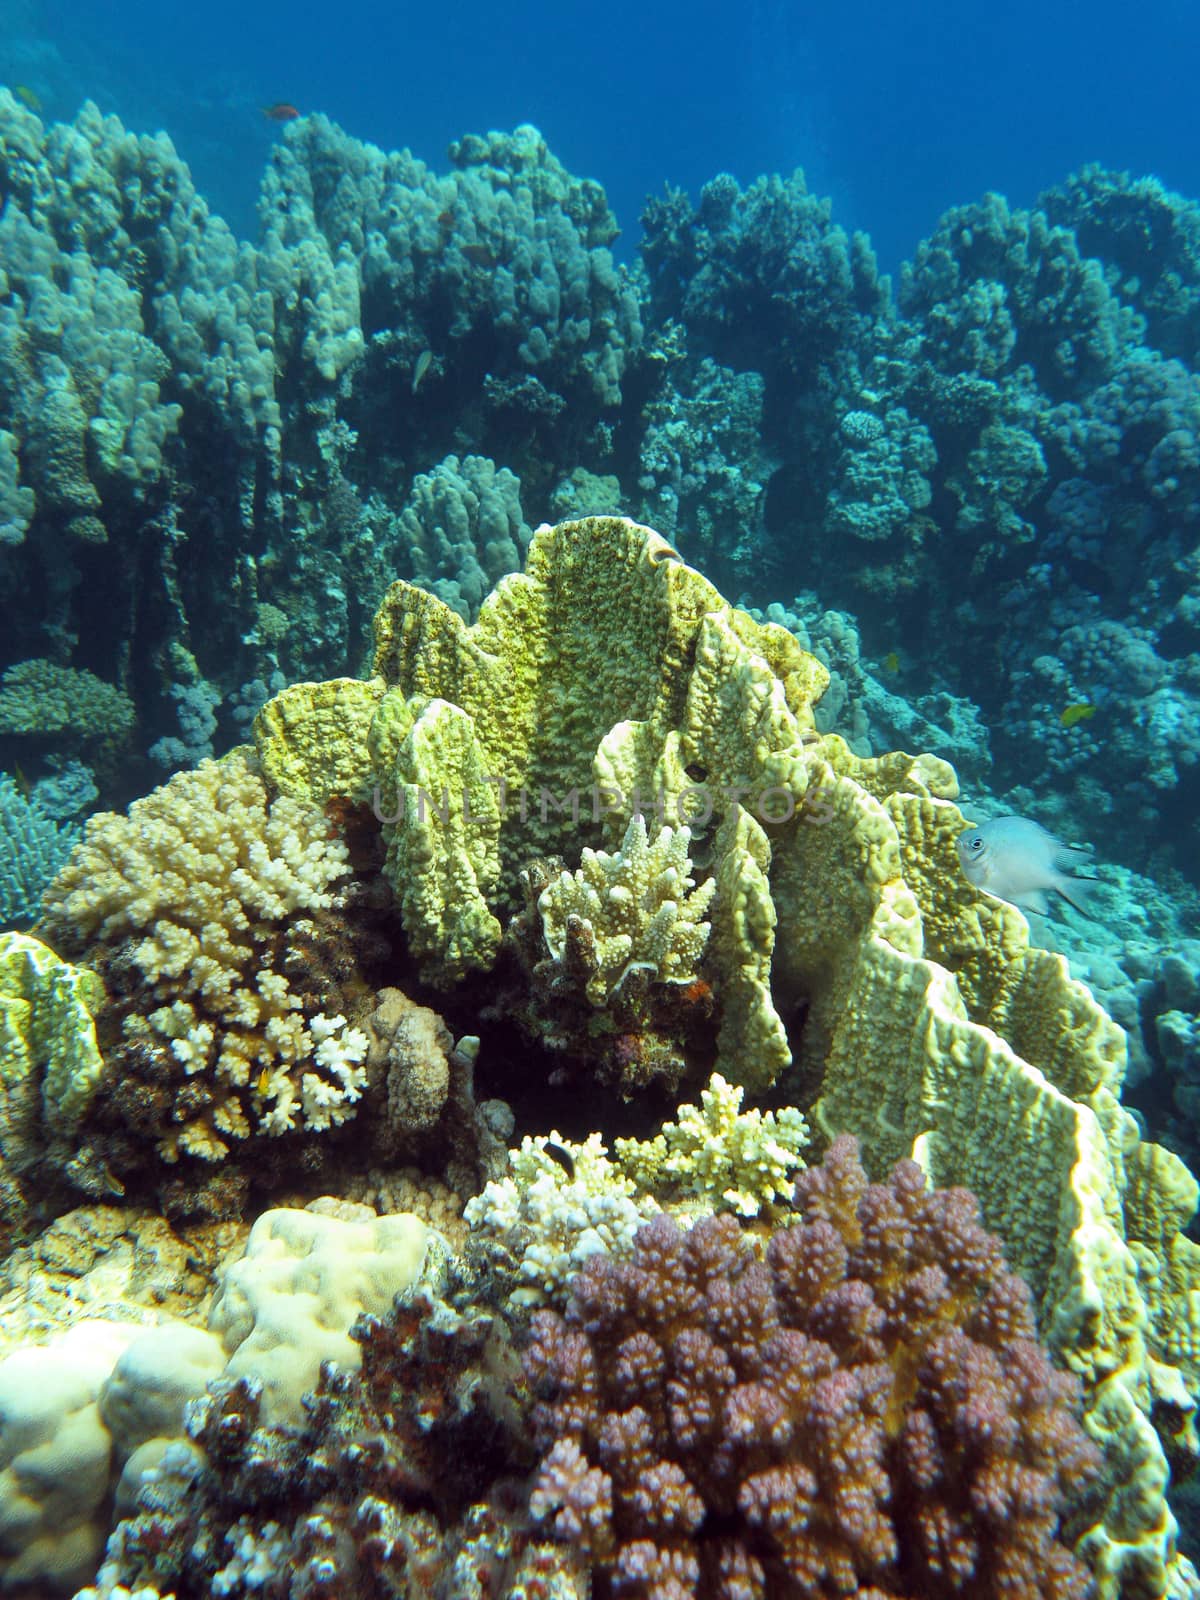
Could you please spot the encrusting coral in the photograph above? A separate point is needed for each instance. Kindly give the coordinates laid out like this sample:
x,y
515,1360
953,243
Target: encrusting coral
x,y
401,1479
88,1415
866,1411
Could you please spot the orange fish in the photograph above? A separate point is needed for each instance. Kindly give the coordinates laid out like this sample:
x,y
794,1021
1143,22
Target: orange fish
x,y
280,111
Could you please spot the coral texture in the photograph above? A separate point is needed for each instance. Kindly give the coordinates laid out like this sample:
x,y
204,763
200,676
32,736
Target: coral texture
x,y
401,1480
557,1205
33,846
636,907
925,1022
196,888
864,1411
719,1156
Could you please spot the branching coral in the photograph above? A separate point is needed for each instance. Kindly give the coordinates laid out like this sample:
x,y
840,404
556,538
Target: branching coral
x,y
720,1155
33,846
560,1203
403,1479
637,907
195,896
542,1220
864,1411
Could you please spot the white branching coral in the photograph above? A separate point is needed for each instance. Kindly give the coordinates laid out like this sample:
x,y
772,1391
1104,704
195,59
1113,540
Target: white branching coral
x,y
201,886
559,1204
727,1158
191,866
638,905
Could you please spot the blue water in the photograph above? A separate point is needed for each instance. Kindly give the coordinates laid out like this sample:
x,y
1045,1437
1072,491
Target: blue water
x,y
895,111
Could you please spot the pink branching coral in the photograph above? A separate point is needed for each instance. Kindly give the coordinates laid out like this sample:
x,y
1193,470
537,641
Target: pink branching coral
x,y
866,1411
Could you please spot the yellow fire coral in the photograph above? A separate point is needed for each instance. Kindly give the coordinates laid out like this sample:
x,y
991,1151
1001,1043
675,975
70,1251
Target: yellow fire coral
x,y
607,673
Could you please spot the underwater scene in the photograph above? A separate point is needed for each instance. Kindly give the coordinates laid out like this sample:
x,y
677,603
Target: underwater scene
x,y
599,804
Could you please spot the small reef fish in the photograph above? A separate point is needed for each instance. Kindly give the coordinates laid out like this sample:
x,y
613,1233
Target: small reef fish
x,y
280,111
1018,860
891,662
27,97
565,1159
420,368
1078,711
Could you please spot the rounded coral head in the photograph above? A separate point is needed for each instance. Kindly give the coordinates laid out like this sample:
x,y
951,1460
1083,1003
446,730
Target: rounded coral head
x,y
862,1409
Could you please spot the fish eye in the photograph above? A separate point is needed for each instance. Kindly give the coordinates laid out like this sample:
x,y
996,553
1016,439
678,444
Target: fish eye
x,y
975,842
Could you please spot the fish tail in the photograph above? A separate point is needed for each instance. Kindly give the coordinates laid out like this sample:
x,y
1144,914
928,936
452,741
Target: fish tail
x,y
1079,892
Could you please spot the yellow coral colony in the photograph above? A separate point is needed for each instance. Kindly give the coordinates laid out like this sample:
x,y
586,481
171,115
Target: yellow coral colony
x,y
930,1026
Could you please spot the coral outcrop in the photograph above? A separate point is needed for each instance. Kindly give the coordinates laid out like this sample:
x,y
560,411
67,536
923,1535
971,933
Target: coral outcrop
x,y
193,891
845,947
866,1410
404,1477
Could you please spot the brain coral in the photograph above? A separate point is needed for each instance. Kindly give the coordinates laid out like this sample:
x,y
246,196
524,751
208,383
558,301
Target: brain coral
x,y
866,1411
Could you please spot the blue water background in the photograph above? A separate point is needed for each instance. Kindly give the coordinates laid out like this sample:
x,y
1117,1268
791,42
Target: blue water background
x,y
895,111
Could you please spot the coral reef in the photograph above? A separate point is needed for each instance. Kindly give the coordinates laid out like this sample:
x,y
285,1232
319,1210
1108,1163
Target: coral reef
x,y
661,863
92,1413
703,468
848,957
492,747
184,417
33,847
405,1477
866,1410
461,530
190,894
559,1202
612,955
1001,455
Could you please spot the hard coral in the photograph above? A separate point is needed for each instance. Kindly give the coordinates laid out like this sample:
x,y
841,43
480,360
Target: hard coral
x,y
866,1410
216,912
612,952
403,1479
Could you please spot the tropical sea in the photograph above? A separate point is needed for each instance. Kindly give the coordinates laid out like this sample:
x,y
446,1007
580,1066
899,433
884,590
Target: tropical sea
x,y
599,773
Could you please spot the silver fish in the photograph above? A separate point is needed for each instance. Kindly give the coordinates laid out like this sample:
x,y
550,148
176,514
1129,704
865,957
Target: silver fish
x,y
1019,860
420,367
